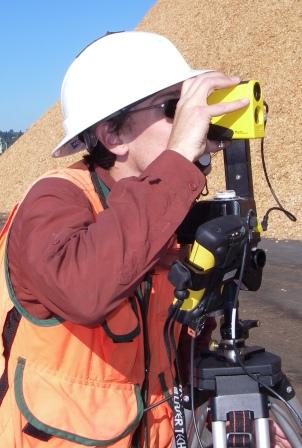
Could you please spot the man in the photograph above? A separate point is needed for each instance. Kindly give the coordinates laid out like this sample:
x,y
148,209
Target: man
x,y
89,248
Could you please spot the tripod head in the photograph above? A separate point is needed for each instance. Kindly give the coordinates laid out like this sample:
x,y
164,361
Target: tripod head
x,y
225,236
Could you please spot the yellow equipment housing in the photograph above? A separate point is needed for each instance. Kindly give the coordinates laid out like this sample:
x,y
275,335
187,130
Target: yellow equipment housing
x,y
248,122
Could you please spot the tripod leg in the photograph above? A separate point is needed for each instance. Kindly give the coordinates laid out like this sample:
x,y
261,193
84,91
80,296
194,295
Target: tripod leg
x,y
262,433
287,423
219,434
295,403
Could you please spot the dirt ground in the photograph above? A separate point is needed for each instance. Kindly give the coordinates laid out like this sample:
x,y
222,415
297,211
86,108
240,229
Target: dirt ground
x,y
278,306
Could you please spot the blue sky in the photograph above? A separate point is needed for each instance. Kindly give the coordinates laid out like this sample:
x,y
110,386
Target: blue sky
x,y
38,41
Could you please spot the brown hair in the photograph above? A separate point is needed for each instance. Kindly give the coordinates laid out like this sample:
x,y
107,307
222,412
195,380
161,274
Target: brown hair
x,y
99,155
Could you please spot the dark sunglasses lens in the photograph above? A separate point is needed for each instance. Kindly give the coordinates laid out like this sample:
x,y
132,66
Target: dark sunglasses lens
x,y
170,108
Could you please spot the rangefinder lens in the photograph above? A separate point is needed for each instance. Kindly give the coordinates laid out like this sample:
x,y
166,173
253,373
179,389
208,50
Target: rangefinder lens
x,y
257,91
259,116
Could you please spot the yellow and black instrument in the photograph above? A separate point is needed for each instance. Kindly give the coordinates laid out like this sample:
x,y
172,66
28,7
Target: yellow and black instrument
x,y
215,259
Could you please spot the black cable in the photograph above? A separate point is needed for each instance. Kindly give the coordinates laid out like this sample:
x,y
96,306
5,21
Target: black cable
x,y
176,357
280,207
205,190
157,403
169,339
167,334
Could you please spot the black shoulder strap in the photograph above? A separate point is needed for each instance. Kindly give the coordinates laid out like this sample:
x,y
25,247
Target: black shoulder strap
x,y
9,332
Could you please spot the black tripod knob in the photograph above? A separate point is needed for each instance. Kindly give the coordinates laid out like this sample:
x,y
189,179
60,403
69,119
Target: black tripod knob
x,y
181,294
180,276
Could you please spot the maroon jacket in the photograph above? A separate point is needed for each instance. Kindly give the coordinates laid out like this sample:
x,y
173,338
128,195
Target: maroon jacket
x,y
63,262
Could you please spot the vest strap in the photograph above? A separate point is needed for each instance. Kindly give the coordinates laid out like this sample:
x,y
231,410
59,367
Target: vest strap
x,y
124,337
9,332
100,188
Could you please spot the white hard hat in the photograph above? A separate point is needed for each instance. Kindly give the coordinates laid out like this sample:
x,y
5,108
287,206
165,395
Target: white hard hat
x,y
112,73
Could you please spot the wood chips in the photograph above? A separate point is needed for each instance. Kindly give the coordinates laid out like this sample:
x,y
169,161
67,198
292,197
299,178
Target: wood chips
x,y
252,39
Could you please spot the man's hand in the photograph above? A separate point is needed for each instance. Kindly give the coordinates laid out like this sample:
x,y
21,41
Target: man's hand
x,y
193,114
278,438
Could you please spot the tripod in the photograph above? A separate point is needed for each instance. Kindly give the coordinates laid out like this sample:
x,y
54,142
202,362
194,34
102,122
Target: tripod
x,y
235,377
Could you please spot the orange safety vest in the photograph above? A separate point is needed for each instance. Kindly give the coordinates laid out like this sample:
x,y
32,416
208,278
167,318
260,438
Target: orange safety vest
x,y
72,385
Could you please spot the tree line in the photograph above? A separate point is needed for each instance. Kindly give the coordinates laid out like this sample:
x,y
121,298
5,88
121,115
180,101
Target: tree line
x,y
7,138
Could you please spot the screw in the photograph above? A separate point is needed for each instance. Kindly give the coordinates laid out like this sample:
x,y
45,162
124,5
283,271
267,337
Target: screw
x,y
238,176
186,398
289,389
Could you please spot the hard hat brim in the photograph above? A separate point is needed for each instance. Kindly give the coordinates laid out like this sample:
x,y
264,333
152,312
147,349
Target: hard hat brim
x,y
71,143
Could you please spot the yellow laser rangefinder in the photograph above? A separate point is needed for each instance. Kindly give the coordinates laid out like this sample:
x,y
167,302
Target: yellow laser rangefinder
x,y
245,123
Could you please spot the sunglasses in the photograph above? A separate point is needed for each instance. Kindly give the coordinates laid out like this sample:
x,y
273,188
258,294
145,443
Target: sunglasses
x,y
167,107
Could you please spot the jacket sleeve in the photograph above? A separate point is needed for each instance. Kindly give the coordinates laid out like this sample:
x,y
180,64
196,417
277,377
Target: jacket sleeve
x,y
64,262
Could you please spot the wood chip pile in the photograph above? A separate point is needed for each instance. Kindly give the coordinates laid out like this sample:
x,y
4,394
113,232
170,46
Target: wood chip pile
x,y
252,39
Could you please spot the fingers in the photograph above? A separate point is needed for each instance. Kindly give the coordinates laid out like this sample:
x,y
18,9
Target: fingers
x,y
189,83
224,108
193,114
195,91
203,85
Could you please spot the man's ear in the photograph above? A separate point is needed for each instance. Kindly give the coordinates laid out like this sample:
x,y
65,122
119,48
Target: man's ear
x,y
110,139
